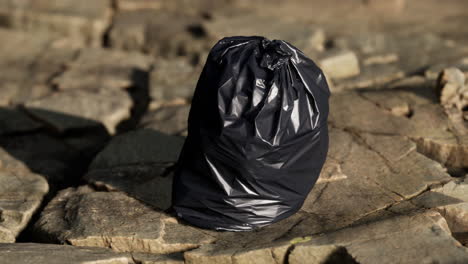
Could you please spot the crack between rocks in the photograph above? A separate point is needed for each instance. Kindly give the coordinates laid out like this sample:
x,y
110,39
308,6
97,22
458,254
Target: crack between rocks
x,y
22,91
361,141
451,129
363,97
285,233
409,199
105,36
347,129
321,192
273,256
21,107
135,260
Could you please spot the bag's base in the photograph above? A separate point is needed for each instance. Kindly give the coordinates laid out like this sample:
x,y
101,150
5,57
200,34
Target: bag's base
x,y
223,226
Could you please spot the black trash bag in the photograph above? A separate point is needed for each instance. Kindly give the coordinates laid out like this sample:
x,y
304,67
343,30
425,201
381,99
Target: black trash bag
x,y
257,136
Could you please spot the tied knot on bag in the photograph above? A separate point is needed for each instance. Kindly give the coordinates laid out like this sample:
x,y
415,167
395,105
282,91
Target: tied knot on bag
x,y
273,54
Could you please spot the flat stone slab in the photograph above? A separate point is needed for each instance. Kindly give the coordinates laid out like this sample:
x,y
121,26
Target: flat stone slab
x,y
372,173
424,120
21,193
171,120
142,146
422,238
388,57
138,163
98,69
82,22
146,30
82,109
145,258
25,72
83,217
451,201
340,64
33,253
172,81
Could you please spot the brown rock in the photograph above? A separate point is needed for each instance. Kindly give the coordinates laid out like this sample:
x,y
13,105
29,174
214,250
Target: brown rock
x,y
396,6
98,69
451,200
147,31
375,172
192,7
139,4
145,258
434,71
82,22
21,193
148,183
452,89
139,164
427,123
340,65
422,238
143,146
170,120
25,72
371,76
83,217
303,253
77,109
27,253
172,81
247,247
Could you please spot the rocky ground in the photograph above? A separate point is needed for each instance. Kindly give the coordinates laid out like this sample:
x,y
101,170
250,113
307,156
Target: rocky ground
x,y
93,109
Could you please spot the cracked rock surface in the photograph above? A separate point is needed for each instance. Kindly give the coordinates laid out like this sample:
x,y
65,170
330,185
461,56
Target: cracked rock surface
x,y
131,165
28,253
83,217
94,102
21,193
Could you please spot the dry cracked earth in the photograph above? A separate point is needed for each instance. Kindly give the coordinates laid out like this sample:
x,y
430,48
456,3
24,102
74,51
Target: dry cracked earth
x,y
94,98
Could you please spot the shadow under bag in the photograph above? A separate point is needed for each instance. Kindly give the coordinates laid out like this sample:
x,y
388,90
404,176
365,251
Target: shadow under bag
x,y
257,136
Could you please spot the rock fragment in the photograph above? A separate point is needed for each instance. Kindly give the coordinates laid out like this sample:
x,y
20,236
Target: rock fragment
x,y
81,109
81,22
147,31
21,193
413,238
428,125
101,69
83,217
451,201
172,82
25,72
340,65
145,258
139,164
170,120
376,171
27,253
320,254
452,89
